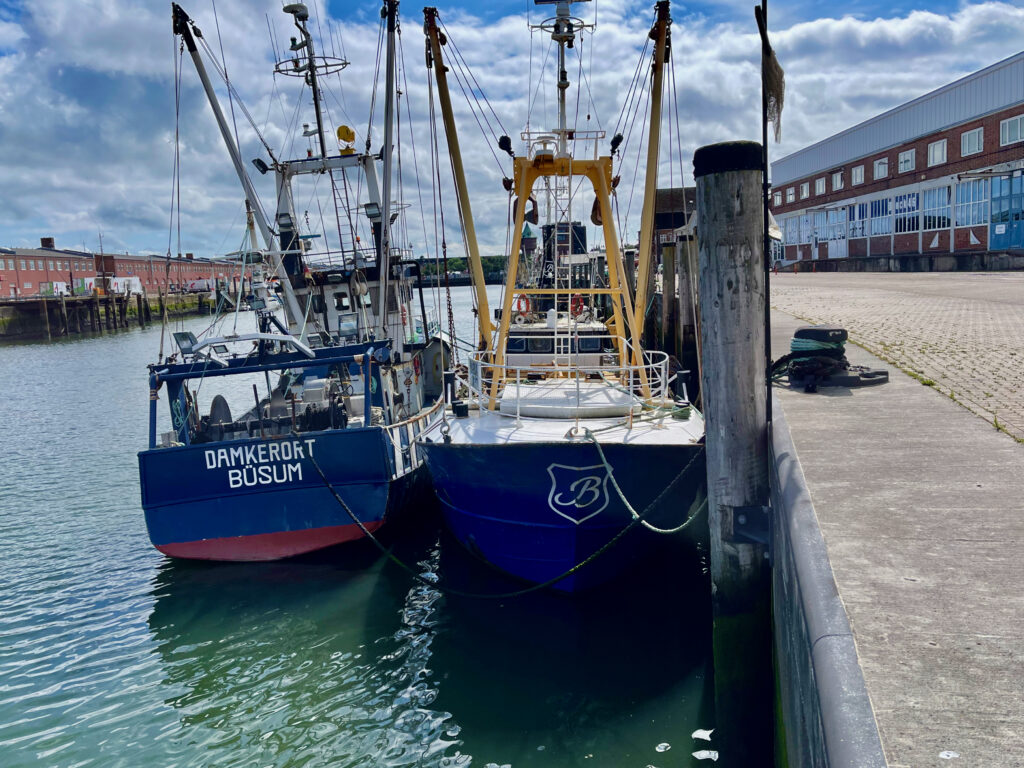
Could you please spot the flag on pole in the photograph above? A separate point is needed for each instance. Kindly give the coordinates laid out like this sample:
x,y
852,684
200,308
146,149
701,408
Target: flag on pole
x,y
772,77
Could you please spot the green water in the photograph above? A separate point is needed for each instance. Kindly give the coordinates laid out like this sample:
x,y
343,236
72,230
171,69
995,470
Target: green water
x,y
112,655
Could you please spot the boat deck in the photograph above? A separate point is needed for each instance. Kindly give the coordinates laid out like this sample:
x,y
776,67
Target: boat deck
x,y
495,428
921,504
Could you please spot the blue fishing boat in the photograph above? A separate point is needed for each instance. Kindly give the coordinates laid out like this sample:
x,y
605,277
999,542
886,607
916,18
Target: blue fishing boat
x,y
574,446
324,403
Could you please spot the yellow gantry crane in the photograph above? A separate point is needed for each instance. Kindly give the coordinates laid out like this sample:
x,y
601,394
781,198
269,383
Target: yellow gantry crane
x,y
543,161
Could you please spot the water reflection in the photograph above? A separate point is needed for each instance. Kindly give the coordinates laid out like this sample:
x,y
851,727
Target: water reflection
x,y
599,679
298,663
360,665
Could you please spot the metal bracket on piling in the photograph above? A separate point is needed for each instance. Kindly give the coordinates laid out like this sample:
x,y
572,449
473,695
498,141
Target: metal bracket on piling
x,y
752,525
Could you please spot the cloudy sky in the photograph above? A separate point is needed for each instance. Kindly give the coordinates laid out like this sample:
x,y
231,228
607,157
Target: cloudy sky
x,y
87,99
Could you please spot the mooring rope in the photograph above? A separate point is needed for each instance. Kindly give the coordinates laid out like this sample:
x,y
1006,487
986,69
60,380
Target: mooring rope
x,y
625,502
637,519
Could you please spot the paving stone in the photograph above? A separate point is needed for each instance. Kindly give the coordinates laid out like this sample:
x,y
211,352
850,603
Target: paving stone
x,y
921,502
964,332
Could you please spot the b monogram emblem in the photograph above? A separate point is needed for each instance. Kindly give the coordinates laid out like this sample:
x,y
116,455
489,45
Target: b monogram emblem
x,y
578,493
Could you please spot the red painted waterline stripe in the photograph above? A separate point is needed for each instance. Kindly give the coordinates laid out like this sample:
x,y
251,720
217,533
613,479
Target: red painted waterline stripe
x,y
266,546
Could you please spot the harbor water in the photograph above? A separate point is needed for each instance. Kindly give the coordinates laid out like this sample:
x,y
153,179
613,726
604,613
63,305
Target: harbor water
x,y
113,655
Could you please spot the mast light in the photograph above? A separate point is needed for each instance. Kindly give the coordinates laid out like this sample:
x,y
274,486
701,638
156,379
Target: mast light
x,y
298,10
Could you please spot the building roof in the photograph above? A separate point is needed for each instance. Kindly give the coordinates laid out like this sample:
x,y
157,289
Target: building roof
x,y
988,90
675,199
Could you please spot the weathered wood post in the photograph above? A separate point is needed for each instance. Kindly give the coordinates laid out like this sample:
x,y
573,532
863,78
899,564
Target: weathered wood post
x,y
731,264
684,300
64,316
668,299
46,318
138,307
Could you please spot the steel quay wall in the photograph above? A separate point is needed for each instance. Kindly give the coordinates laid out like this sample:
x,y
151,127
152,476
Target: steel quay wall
x,y
826,711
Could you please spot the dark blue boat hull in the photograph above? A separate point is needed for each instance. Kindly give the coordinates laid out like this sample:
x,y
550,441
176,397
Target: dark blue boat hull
x,y
535,510
264,499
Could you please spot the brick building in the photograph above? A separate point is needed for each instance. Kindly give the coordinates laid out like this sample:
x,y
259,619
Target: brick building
x,y
48,270
933,184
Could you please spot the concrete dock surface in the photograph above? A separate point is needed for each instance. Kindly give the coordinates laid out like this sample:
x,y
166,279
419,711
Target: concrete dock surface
x,y
963,332
921,501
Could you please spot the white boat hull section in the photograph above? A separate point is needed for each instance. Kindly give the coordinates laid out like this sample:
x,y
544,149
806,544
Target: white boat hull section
x,y
561,400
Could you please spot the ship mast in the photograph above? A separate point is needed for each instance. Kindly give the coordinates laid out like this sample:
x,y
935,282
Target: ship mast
x,y
544,164
660,33
563,34
390,12
182,27
465,209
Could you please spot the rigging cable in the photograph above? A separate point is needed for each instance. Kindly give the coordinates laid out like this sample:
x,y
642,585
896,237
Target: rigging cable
x,y
373,92
412,140
224,61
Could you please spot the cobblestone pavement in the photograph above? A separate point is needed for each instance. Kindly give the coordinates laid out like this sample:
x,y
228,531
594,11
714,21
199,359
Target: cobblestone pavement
x,y
961,333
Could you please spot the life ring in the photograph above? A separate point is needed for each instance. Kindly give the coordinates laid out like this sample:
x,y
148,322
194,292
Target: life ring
x,y
522,304
417,366
576,304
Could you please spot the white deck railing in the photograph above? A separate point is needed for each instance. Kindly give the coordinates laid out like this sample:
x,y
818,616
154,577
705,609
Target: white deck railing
x,y
403,435
645,382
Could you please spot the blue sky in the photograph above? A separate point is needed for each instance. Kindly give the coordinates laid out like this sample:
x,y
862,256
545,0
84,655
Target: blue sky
x,y
87,105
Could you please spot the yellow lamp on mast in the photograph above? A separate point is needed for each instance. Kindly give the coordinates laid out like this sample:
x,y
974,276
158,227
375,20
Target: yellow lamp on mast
x,y
346,137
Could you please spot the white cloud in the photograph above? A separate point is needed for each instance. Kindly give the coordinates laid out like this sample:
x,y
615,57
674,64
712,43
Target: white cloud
x,y
87,103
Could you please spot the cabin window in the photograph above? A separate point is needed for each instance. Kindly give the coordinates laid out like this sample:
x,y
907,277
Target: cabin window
x,y
516,344
539,345
342,303
590,344
348,327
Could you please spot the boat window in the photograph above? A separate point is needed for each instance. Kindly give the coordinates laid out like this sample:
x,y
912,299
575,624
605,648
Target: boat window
x,y
590,344
540,345
348,327
341,301
516,344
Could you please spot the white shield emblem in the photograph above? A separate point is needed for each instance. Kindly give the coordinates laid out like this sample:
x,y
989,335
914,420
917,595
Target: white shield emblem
x,y
578,493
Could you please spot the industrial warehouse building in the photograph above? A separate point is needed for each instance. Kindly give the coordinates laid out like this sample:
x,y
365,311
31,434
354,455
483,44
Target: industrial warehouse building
x,y
50,271
933,184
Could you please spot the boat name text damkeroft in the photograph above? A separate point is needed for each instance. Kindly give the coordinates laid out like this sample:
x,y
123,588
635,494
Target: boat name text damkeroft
x,y
251,465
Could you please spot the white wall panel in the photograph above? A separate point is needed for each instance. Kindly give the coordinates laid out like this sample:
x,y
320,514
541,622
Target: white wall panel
x,y
990,90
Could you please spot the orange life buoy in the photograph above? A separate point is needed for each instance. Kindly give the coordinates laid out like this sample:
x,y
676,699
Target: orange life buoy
x,y
522,304
576,304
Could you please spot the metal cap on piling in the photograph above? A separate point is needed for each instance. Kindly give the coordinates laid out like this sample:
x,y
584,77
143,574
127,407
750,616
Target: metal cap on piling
x,y
727,156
